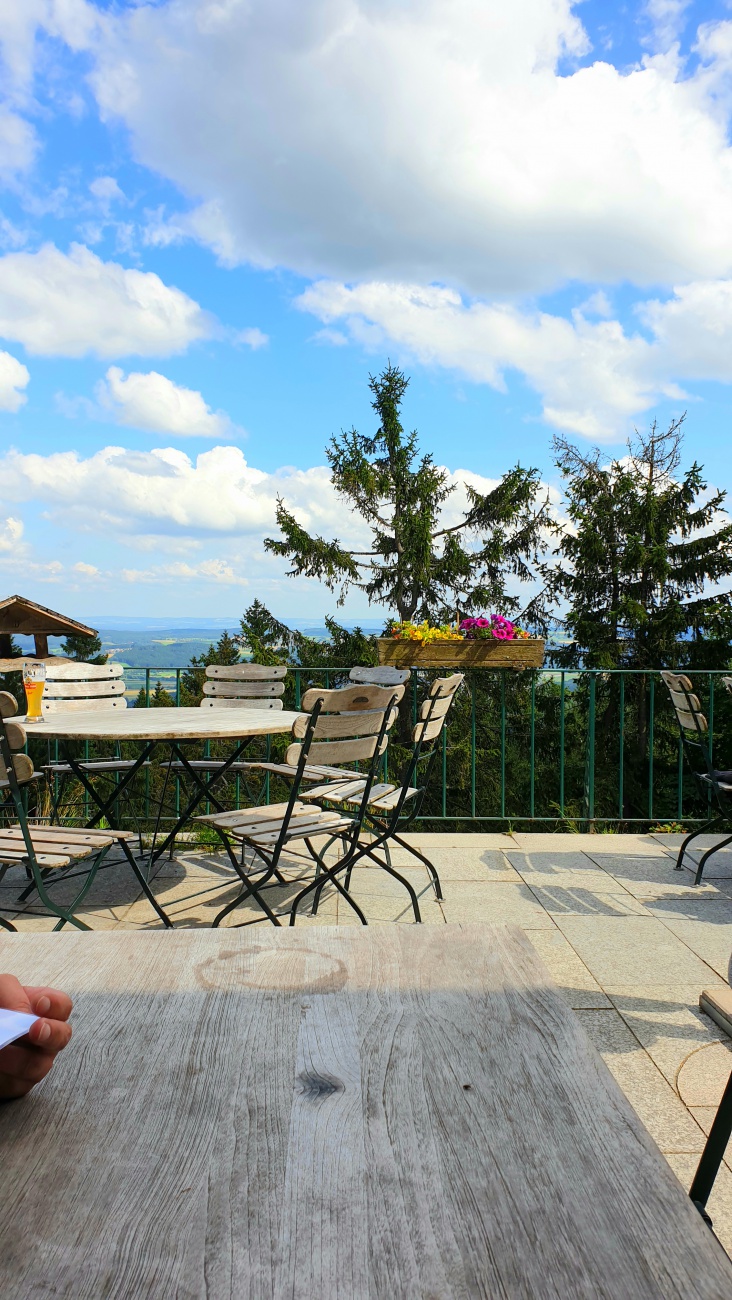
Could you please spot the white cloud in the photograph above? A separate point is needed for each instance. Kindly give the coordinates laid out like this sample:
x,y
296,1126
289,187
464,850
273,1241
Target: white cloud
x,y
74,304
164,492
668,18
13,376
216,571
152,401
11,535
420,140
86,570
252,338
593,376
106,191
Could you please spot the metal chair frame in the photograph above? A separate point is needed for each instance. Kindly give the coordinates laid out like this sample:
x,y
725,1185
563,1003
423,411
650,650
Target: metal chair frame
x,y
708,780
348,833
30,862
385,828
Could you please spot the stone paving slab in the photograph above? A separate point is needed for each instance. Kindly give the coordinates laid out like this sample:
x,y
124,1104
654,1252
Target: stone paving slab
x,y
569,973
704,925
496,904
667,1022
632,950
656,878
650,1094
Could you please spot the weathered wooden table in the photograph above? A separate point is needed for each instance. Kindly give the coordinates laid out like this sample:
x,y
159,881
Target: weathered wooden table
x,y
170,727
395,1113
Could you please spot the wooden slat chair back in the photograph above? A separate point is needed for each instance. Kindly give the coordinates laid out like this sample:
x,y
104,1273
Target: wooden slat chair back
x,y
380,675
82,688
237,686
43,851
343,700
77,687
244,686
694,731
329,733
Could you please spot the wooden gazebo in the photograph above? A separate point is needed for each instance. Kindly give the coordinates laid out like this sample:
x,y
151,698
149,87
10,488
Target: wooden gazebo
x,y
23,617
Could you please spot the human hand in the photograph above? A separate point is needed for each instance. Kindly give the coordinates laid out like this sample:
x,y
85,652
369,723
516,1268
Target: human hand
x,y
26,1061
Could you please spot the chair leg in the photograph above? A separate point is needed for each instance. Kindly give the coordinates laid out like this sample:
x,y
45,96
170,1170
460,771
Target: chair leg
x,y
145,886
6,925
713,1153
327,874
416,853
708,854
409,888
699,831
249,890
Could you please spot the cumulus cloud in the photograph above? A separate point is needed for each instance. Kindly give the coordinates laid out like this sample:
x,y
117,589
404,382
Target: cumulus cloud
x,y
218,571
164,492
74,304
420,140
164,499
153,402
13,376
592,374
11,534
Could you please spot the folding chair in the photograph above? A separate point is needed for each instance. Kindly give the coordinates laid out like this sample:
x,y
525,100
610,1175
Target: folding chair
x,y
326,732
694,731
395,807
72,686
48,853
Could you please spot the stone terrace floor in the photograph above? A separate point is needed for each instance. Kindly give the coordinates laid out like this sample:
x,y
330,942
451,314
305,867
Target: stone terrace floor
x,y
630,942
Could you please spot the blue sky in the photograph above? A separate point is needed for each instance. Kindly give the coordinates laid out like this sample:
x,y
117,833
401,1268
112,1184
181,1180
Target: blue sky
x,y
218,216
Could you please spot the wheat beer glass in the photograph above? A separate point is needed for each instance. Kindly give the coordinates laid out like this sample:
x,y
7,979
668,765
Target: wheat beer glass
x,y
34,680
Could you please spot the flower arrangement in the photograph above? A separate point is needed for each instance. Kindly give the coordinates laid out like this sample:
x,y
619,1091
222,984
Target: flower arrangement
x,y
496,626
408,631
469,629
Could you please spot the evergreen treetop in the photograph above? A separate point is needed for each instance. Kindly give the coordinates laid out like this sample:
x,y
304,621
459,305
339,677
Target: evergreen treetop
x,y
84,649
417,565
638,568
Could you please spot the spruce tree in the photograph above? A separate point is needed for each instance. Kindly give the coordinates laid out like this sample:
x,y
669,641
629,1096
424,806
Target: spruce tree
x,y
226,651
84,649
160,698
637,570
416,565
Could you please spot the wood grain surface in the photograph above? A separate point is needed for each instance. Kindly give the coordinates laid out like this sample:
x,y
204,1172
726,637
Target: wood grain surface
x,y
163,724
397,1113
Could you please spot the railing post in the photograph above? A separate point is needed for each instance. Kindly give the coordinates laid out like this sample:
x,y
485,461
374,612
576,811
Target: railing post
x,y
651,739
621,747
532,743
472,746
561,746
589,800
503,742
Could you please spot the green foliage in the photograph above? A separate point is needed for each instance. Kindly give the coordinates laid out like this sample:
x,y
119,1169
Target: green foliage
x,y
84,649
635,569
414,566
141,701
160,698
226,651
266,640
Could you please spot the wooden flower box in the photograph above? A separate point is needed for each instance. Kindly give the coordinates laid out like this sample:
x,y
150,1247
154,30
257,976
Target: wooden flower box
x,y
519,654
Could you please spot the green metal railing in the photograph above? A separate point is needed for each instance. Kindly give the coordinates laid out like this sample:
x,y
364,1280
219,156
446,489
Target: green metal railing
x,y
550,747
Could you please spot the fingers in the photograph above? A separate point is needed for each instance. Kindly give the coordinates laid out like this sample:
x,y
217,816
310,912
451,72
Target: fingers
x,y
50,1035
28,1060
49,1002
13,996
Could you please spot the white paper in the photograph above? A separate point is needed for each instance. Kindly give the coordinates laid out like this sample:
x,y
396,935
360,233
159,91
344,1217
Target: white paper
x,y
13,1024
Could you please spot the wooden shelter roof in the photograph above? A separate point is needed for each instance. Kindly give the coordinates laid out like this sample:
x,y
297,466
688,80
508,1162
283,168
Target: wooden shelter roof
x,y
25,618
